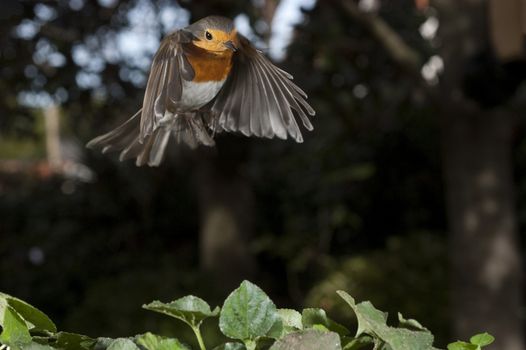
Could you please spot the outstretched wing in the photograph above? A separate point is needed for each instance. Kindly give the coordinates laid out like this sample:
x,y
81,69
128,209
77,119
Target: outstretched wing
x,y
164,87
259,98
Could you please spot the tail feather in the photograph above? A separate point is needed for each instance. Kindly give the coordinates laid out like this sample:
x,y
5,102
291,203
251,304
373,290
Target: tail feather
x,y
192,131
119,137
188,129
132,150
144,154
154,153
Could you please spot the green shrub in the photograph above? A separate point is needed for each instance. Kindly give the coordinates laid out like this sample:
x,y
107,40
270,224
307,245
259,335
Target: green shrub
x,y
248,317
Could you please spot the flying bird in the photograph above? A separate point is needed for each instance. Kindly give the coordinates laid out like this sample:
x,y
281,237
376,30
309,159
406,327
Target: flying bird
x,y
204,79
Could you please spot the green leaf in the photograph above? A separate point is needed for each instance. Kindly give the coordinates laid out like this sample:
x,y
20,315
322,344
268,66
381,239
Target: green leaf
x,y
320,327
72,341
311,317
247,314
369,318
44,340
482,339
122,344
14,330
410,323
461,345
115,344
35,319
37,346
290,318
277,330
349,343
374,323
288,321
401,339
102,343
154,342
308,340
230,346
189,309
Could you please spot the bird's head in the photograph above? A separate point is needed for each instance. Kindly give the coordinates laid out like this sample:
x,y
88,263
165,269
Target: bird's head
x,y
214,33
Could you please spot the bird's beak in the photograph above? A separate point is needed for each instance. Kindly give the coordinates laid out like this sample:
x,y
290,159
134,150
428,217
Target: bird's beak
x,y
230,45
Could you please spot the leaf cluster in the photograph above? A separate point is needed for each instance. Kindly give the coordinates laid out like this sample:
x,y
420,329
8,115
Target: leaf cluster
x,y
248,317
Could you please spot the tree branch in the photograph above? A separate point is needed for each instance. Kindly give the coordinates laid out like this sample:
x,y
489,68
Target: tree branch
x,y
400,52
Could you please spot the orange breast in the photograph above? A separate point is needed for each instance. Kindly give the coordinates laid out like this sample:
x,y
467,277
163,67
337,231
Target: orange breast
x,y
209,66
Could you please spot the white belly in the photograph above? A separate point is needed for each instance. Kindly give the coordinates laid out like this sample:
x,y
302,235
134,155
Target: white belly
x,y
196,95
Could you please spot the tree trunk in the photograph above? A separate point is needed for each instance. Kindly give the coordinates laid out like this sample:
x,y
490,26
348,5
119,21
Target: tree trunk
x,y
52,127
486,276
226,212
485,260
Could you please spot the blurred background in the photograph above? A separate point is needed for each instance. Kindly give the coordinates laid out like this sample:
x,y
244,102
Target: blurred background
x,y
410,192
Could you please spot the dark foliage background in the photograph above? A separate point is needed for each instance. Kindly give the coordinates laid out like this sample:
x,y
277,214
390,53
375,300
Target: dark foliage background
x,y
359,206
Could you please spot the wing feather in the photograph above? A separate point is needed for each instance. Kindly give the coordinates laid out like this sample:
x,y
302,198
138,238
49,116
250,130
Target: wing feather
x,y
258,105
288,90
164,87
279,90
260,99
273,102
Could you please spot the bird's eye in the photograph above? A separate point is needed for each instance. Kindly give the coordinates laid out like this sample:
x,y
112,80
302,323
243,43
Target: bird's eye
x,y
208,36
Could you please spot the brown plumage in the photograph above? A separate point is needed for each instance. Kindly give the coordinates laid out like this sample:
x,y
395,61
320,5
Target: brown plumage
x,y
207,77
208,66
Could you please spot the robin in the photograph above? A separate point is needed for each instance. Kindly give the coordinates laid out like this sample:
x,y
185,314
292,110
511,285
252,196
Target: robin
x,y
207,77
